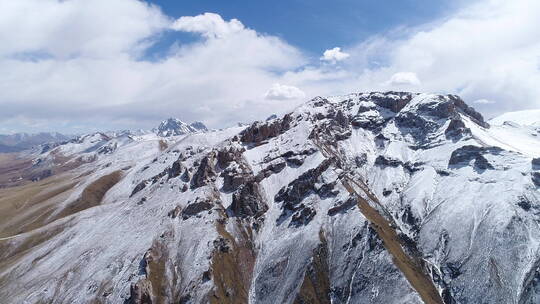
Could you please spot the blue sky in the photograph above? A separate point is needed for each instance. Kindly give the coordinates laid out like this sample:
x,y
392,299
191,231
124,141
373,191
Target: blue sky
x,y
316,25
77,66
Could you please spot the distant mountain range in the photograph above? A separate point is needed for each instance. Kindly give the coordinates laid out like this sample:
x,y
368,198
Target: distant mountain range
x,y
23,141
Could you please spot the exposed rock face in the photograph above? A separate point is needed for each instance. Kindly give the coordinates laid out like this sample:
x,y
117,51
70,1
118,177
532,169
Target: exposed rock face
x,y
205,172
457,128
227,155
247,201
466,154
389,101
176,169
138,188
259,132
342,207
196,208
536,163
387,162
536,178
293,195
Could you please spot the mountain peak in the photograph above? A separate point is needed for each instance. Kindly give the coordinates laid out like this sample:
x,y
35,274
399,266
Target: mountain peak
x,y
174,126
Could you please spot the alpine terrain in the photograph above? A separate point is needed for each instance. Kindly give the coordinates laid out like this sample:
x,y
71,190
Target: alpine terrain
x,y
383,197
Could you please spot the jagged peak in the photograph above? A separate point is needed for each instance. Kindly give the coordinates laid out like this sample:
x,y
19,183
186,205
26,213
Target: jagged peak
x,y
174,126
438,106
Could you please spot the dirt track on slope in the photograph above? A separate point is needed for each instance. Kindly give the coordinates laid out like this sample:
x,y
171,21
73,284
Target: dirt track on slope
x,y
409,266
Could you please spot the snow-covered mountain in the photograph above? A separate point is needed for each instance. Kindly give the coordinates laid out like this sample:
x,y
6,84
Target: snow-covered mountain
x,y
174,127
525,118
388,197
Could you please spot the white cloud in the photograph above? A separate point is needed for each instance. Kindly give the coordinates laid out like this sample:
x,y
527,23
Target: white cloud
x,y
483,101
488,50
404,78
208,24
283,92
95,83
80,63
67,29
334,55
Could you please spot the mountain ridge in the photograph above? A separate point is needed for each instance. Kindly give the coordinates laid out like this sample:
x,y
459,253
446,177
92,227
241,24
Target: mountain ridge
x,y
285,211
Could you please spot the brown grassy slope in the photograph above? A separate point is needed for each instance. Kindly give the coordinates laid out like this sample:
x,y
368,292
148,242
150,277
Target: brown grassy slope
x,y
11,168
22,206
92,194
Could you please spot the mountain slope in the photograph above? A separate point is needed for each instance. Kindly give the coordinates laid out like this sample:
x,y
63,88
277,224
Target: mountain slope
x,y
530,117
364,198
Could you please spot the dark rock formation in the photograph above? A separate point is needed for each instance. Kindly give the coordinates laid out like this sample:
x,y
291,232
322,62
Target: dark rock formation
x,y
205,173
342,207
138,188
456,128
196,208
536,178
315,288
233,178
391,103
293,195
462,156
175,169
226,155
384,161
535,163
260,132
247,201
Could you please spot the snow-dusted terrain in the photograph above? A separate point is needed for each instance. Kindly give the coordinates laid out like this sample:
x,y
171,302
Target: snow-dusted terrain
x,y
363,198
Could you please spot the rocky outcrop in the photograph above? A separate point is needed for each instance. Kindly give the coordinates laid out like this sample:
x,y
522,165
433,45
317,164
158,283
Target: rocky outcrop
x,y
536,178
457,128
175,170
464,155
227,155
293,194
259,132
138,188
384,161
342,207
205,172
196,208
247,201
535,163
393,101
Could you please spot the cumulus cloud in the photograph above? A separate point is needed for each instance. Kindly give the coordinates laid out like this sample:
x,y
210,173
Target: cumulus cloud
x,y
208,24
488,50
404,78
102,79
283,92
74,64
334,55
